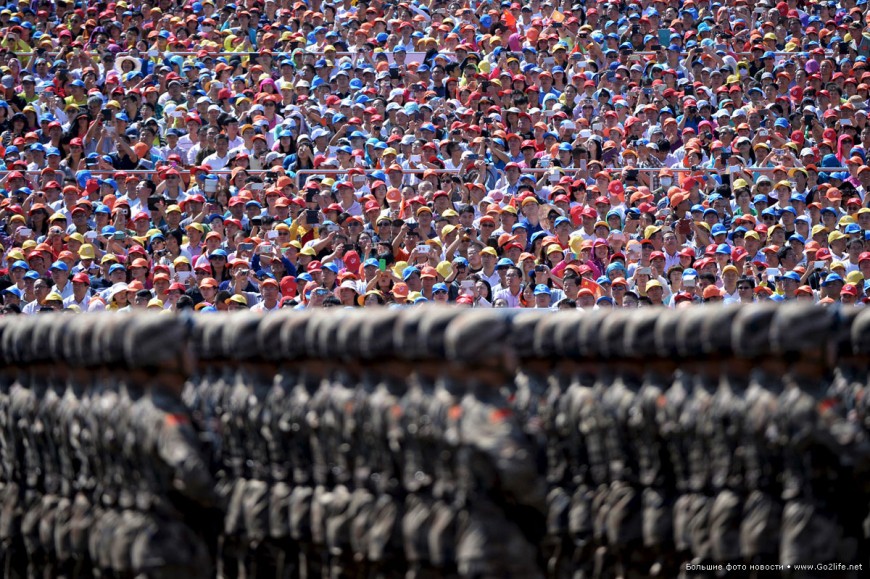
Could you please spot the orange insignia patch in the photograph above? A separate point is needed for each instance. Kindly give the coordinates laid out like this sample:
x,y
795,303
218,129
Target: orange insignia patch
x,y
396,410
500,414
176,419
455,412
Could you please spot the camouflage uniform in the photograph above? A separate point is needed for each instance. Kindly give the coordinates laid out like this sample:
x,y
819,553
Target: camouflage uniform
x,y
762,462
695,428
504,499
178,492
419,422
623,446
818,446
655,471
727,413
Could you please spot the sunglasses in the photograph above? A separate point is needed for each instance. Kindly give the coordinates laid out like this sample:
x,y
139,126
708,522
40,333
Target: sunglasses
x,y
439,292
744,288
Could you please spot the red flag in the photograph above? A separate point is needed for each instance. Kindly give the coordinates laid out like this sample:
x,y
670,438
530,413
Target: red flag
x,y
592,286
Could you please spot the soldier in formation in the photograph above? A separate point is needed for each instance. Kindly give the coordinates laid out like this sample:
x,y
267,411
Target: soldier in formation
x,y
434,442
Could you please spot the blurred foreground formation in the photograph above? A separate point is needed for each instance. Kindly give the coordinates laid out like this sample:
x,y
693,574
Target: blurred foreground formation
x,y
434,442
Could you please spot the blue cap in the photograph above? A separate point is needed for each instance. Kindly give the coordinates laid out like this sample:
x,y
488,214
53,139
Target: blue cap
x,y
218,253
20,264
59,265
781,122
541,290
408,272
832,278
31,275
504,262
439,287
13,290
331,267
117,267
798,238
371,262
603,280
853,228
792,275
719,229
723,249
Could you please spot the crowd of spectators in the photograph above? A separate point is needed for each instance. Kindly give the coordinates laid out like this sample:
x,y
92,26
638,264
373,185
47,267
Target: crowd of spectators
x,y
265,154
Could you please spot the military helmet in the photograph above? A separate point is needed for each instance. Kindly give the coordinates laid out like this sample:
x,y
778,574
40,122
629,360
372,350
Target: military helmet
x,y
433,330
689,331
151,340
801,328
523,333
640,335
861,332
377,338
269,334
589,333
716,330
477,335
665,333
612,332
750,330
565,339
293,333
240,336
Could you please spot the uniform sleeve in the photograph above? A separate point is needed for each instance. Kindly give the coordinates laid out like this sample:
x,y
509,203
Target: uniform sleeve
x,y
178,449
498,436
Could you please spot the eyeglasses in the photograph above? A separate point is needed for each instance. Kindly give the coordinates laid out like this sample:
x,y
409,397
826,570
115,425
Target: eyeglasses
x,y
439,292
618,288
744,288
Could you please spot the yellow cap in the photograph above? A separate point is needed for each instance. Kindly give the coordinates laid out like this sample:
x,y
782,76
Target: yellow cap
x,y
836,235
444,269
86,251
54,297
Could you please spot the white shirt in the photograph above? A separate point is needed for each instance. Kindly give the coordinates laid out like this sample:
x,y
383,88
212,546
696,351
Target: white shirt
x,y
216,162
513,301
